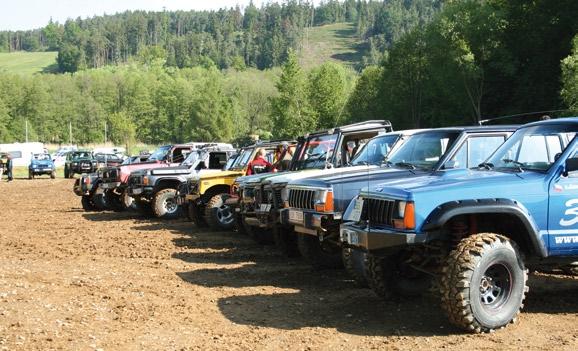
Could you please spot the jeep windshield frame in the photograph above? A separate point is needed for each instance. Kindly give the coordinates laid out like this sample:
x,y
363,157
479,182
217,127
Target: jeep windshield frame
x,y
376,150
243,159
192,158
437,143
523,151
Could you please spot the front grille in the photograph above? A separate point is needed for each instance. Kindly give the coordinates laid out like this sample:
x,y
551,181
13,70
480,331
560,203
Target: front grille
x,y
378,211
278,200
248,193
266,197
304,199
85,165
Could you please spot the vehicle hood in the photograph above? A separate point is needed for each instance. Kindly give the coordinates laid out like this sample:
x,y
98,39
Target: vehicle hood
x,y
126,170
221,174
312,173
528,189
169,170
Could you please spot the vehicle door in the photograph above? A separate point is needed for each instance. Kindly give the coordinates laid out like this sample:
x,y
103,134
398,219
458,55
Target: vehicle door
x,y
563,203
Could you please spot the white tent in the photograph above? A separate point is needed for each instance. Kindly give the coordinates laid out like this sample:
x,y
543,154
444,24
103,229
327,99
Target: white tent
x,y
22,152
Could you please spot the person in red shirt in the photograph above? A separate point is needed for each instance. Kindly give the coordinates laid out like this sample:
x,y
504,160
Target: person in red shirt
x,y
259,164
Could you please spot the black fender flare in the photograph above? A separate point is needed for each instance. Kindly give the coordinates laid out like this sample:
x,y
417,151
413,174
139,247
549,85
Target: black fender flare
x,y
443,213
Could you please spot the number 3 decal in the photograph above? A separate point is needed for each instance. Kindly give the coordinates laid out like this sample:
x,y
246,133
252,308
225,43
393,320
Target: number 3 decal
x,y
573,211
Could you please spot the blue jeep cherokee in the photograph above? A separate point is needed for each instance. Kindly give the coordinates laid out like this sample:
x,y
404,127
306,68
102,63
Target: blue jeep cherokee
x,y
475,231
316,204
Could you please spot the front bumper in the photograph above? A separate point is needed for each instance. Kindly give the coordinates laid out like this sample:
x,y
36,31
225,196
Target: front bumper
x,y
140,191
309,222
41,170
378,239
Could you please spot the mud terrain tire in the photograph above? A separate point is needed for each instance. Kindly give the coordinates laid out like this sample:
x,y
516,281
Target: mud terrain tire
x,y
87,204
218,215
285,240
164,204
484,283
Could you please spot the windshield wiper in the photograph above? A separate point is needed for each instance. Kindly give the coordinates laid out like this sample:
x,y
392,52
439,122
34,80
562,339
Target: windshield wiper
x,y
487,165
519,164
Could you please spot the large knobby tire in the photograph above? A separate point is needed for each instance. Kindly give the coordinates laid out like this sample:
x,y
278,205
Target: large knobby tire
x,y
87,204
99,201
114,201
355,262
53,175
164,204
195,214
285,240
218,215
319,255
143,207
66,173
30,175
483,283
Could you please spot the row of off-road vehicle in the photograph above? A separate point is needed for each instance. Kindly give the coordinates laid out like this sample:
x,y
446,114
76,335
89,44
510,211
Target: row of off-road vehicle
x,y
463,212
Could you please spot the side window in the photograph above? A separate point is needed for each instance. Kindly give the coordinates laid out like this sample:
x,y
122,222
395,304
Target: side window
x,y
480,148
217,160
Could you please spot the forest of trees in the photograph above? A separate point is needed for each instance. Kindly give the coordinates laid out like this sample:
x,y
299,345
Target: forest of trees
x,y
220,75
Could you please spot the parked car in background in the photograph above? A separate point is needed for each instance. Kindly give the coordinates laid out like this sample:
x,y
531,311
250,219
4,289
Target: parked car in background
x,y
41,164
78,162
107,160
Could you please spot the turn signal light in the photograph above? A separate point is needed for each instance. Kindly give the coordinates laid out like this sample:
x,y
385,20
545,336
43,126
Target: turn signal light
x,y
409,217
327,206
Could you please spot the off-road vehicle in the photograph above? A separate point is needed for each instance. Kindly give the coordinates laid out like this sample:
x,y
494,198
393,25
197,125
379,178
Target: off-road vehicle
x,y
41,164
474,232
106,188
318,153
206,195
78,162
158,186
316,204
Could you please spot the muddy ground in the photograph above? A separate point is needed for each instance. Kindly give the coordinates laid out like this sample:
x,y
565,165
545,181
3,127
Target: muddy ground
x,y
76,280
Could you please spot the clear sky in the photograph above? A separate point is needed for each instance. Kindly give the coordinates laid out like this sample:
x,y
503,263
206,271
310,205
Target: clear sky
x,y
30,14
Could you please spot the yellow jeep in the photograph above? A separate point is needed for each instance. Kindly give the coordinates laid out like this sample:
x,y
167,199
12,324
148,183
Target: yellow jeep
x,y
206,195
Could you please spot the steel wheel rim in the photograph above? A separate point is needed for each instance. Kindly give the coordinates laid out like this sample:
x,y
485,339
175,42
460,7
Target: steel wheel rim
x,y
224,214
170,205
495,286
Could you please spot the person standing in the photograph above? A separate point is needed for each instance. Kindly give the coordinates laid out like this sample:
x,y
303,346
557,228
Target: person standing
x,y
9,167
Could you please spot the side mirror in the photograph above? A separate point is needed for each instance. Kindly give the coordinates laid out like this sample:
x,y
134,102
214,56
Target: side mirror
x,y
571,166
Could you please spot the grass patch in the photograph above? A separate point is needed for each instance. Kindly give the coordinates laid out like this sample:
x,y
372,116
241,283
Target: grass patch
x,y
28,62
337,42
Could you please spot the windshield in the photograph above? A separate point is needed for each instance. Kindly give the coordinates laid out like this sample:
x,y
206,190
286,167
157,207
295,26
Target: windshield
x,y
375,151
81,155
230,162
316,151
423,150
533,148
243,159
41,157
160,153
108,157
192,158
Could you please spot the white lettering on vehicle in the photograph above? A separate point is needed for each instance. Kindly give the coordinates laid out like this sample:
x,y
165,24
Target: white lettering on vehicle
x,y
566,239
570,212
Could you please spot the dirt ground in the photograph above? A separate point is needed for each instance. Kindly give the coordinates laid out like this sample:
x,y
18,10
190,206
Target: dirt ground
x,y
113,281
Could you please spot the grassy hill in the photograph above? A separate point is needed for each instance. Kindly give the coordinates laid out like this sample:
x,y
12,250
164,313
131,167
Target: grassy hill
x,y
28,62
336,42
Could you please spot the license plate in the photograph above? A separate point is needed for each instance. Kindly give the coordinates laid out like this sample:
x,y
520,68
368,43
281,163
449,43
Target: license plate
x,y
267,208
47,169
137,191
296,216
355,214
